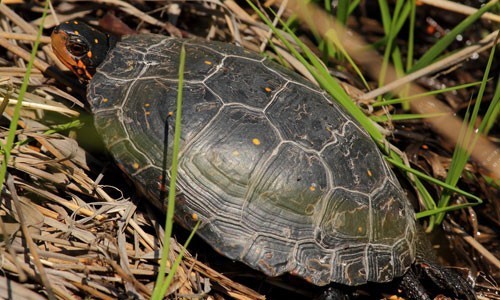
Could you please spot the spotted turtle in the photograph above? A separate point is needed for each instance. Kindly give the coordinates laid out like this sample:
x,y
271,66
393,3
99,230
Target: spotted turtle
x,y
281,177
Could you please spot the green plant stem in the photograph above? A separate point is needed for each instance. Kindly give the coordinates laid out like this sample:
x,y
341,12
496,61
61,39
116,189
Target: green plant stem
x,y
169,221
7,148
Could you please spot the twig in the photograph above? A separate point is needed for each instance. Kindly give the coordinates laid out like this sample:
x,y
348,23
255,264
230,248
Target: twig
x,y
27,236
24,37
485,44
480,248
460,8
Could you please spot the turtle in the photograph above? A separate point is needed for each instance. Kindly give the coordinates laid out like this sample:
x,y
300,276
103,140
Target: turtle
x,y
278,174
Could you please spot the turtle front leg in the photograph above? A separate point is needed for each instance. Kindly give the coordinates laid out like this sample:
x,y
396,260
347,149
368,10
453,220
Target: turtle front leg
x,y
445,281
412,287
332,293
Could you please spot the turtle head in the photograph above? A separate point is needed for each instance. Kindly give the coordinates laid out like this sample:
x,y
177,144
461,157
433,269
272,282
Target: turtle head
x,y
80,47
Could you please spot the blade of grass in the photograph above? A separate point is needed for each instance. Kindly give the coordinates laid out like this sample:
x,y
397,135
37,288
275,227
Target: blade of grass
x,y
7,148
343,11
169,221
466,142
401,117
391,30
353,6
434,92
178,259
492,114
411,47
446,40
427,200
436,181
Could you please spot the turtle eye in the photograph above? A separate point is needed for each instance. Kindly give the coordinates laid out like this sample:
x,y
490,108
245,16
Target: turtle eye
x,y
77,49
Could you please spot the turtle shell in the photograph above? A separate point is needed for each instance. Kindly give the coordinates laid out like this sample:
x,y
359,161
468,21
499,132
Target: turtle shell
x,y
281,177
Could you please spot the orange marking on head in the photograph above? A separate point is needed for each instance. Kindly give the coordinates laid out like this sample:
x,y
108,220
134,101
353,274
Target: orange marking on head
x,y
59,40
83,68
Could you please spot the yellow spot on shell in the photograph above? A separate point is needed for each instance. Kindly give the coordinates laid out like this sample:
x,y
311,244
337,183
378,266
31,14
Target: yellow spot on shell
x,y
170,113
89,54
75,22
369,173
76,32
135,165
268,89
146,105
148,113
312,188
194,216
360,229
105,100
256,141
236,153
96,41
207,62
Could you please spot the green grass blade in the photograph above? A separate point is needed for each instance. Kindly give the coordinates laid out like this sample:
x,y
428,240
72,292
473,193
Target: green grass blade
x,y
385,14
436,181
157,292
446,40
178,259
391,32
353,6
402,117
342,11
493,113
427,200
411,35
467,140
7,148
434,92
